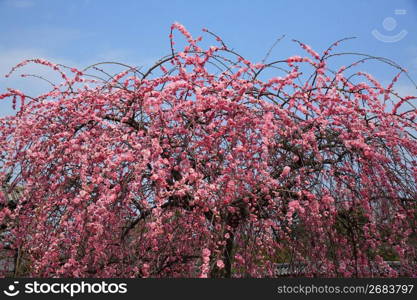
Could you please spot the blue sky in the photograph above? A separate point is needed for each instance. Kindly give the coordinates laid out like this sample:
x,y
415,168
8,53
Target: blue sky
x,y
81,32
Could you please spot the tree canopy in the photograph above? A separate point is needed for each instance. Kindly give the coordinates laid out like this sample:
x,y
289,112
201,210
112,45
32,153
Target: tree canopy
x,y
206,166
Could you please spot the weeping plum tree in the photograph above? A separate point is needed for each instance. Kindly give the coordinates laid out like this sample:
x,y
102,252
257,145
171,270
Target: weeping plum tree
x,y
204,167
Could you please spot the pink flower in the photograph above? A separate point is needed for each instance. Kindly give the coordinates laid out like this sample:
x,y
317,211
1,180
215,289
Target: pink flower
x,y
220,264
295,205
145,270
328,200
239,259
285,171
138,175
206,252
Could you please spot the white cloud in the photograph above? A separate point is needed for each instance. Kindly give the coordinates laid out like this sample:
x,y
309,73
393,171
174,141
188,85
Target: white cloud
x,y
20,3
48,43
406,90
124,56
33,86
44,37
11,57
414,62
412,51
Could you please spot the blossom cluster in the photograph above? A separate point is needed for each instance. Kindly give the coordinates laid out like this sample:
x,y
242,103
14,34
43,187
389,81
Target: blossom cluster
x,y
200,168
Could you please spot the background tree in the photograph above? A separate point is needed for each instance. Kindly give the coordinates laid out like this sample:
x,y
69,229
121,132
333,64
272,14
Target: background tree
x,y
204,166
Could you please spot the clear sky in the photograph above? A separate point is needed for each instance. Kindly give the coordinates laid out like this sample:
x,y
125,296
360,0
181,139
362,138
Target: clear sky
x,y
81,32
